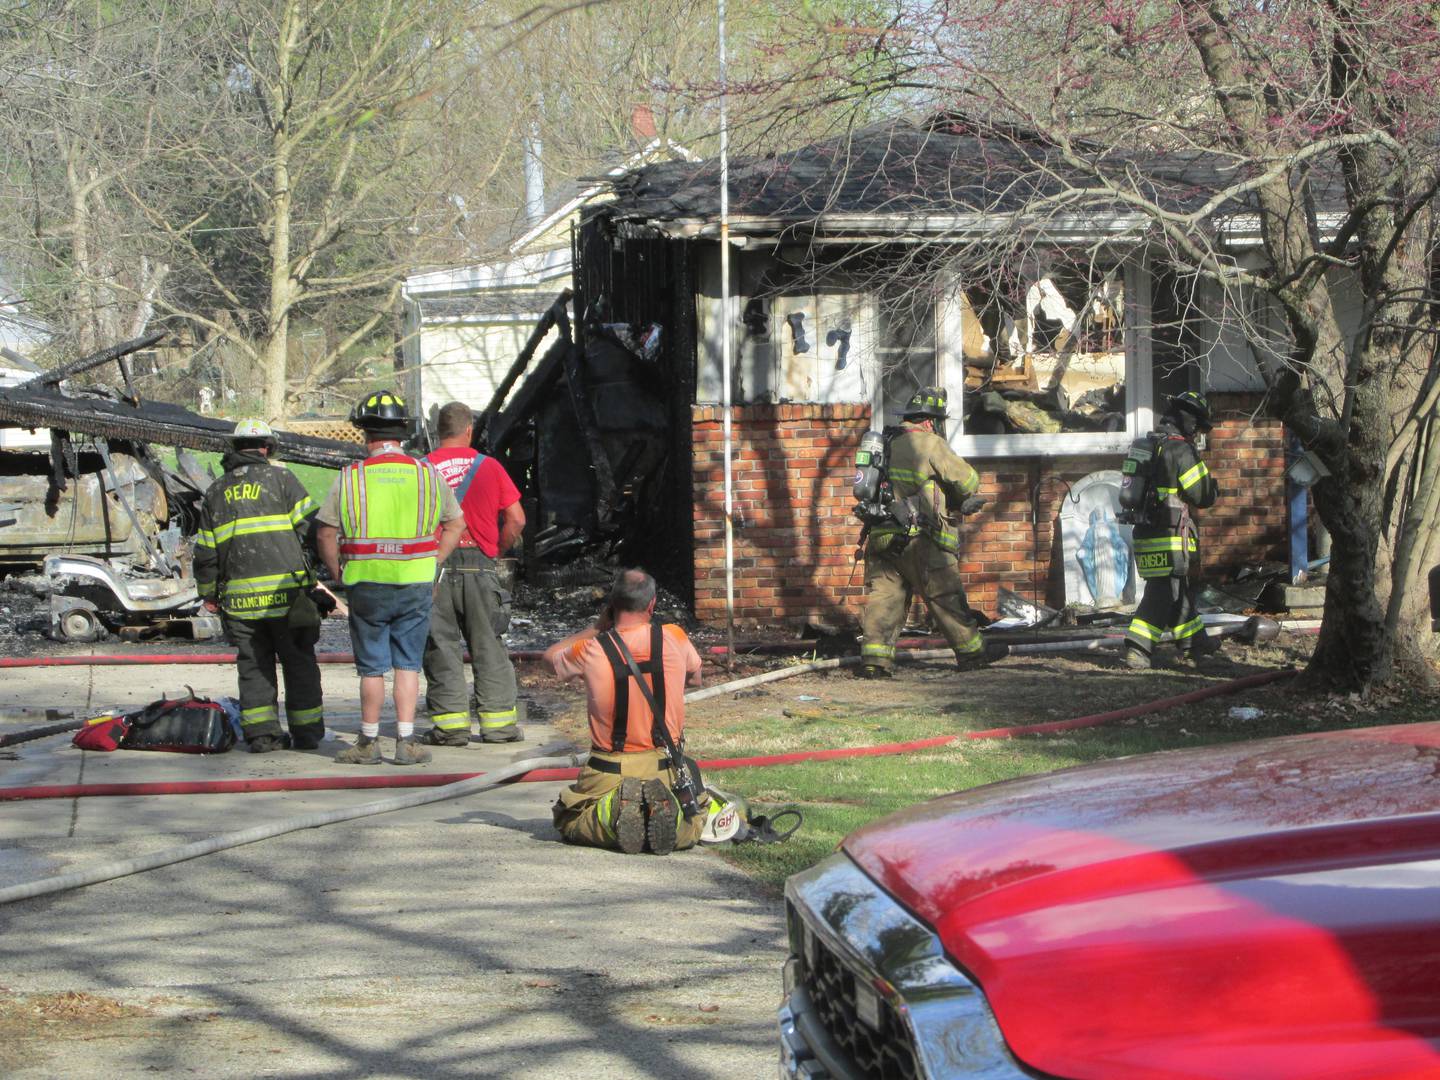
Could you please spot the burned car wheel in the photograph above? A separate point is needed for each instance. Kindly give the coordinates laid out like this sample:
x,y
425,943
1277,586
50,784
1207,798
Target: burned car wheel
x,y
78,624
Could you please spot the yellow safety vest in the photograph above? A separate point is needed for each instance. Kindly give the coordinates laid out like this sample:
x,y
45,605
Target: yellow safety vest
x,y
389,514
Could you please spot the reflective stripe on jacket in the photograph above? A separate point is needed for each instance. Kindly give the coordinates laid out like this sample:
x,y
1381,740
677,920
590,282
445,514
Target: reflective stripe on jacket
x,y
922,463
1181,480
389,515
248,553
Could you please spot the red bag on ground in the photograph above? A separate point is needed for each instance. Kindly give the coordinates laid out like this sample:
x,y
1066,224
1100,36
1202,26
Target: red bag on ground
x,y
190,725
102,733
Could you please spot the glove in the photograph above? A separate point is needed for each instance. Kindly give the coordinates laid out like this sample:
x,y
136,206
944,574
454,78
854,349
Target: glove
x,y
973,505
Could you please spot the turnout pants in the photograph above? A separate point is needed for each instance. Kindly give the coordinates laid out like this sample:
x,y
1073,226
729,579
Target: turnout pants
x,y
259,643
1168,604
923,567
581,812
469,610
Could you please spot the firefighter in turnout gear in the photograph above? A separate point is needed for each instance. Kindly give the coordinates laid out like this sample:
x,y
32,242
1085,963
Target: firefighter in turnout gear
x,y
250,566
624,798
1169,480
471,609
915,547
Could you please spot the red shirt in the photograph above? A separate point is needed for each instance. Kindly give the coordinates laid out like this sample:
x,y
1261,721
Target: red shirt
x,y
490,492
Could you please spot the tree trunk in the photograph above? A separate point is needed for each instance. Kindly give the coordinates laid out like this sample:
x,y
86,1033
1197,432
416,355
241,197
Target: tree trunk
x,y
1355,651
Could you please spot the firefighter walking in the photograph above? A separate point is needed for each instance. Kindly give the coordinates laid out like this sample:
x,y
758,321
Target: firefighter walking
x,y
471,610
250,566
1168,479
914,546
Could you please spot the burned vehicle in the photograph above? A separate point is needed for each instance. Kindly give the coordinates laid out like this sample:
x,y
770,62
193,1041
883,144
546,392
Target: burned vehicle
x,y
106,520
1262,909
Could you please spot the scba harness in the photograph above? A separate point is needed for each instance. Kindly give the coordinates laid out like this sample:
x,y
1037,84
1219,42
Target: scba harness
x,y
727,817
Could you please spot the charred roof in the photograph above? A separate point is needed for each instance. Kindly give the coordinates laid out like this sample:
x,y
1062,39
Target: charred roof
x,y
946,165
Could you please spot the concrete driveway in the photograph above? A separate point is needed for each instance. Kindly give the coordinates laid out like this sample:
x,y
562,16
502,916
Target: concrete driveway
x,y
459,939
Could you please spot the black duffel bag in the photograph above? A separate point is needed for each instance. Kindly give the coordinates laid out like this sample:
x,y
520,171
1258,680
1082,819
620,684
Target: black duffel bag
x,y
188,725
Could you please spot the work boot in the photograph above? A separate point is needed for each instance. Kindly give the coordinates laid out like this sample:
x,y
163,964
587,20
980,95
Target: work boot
x,y
508,733
873,671
440,737
267,744
410,752
366,751
662,815
627,815
1203,645
1136,659
307,738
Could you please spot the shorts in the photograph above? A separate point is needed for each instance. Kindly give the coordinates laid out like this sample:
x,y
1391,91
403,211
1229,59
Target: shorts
x,y
388,626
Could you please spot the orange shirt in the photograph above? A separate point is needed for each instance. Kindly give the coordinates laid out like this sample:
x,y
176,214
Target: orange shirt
x,y
587,659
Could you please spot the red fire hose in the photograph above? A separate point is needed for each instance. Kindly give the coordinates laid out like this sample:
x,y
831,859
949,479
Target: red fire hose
x,y
146,659
328,783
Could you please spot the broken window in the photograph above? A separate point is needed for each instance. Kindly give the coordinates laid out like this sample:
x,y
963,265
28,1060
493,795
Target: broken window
x,y
905,345
1044,349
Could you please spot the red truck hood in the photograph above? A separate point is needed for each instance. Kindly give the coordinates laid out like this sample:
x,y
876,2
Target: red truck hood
x,y
1263,909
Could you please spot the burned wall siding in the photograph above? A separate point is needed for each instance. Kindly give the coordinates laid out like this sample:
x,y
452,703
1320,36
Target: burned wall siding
x,y
795,536
636,328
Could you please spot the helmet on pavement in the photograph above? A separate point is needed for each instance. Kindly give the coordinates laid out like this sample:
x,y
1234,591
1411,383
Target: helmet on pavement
x,y
379,409
252,429
1194,403
928,401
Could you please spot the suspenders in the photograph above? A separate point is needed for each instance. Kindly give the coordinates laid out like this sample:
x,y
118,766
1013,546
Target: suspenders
x,y
654,667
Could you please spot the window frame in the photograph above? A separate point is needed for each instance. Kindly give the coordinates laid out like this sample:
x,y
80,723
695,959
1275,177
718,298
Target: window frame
x,y
1139,392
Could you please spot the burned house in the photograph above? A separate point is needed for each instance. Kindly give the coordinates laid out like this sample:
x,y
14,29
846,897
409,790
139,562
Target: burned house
x,y
860,269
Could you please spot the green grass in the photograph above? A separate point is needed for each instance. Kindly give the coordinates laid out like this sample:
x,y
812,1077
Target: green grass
x,y
837,797
317,480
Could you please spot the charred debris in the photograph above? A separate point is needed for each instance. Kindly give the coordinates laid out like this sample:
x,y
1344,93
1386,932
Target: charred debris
x,y
596,432
98,527
107,524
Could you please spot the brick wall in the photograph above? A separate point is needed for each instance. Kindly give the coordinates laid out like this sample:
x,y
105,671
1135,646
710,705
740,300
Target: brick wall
x,y
795,535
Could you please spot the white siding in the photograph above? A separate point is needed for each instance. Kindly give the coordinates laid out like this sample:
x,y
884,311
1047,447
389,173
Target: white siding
x,y
467,361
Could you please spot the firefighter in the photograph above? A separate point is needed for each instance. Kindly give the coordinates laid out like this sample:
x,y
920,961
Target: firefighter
x,y
250,566
392,521
932,486
624,797
471,610
1167,539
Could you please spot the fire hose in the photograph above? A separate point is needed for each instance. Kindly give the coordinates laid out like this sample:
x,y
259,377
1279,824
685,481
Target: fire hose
x,y
555,768
226,841
1023,644
540,770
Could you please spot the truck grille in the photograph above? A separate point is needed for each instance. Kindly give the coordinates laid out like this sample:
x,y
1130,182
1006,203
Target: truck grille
x,y
883,1053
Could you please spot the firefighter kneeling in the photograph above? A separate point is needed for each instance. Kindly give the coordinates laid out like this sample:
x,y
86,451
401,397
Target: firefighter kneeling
x,y
625,797
910,503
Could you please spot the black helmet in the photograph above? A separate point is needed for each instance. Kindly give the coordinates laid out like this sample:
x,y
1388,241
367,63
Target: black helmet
x,y
380,409
1195,404
928,401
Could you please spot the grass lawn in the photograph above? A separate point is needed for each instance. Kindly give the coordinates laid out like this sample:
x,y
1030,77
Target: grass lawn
x,y
317,480
837,797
